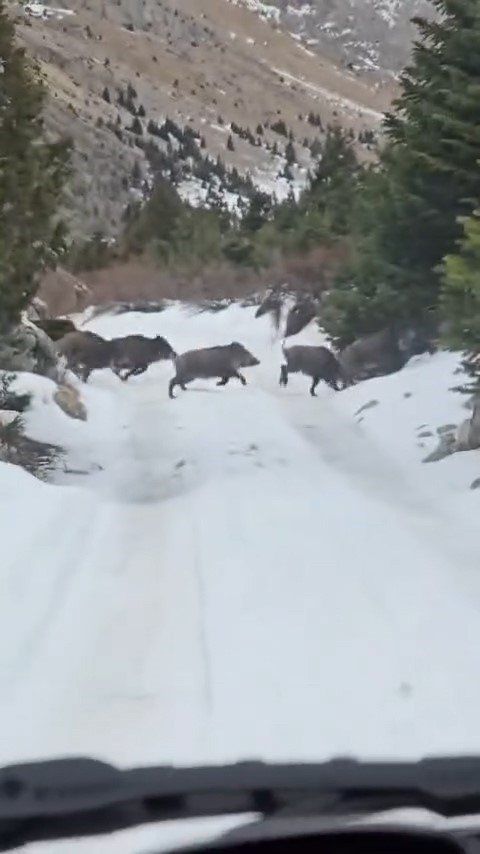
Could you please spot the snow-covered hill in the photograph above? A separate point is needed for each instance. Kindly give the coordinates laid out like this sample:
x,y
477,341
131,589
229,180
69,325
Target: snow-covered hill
x,y
250,573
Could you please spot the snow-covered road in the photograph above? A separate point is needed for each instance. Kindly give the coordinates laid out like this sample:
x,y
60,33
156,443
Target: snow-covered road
x,y
252,573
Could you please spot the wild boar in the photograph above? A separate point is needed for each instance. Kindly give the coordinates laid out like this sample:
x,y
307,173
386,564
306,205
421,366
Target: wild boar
x,y
319,363
85,352
211,362
56,327
300,316
373,356
134,353
272,304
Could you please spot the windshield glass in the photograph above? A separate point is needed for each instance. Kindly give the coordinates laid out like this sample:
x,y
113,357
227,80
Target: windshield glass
x,y
239,411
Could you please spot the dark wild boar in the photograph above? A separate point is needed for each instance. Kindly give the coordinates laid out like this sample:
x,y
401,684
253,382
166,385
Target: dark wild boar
x,y
85,352
211,362
272,304
319,363
56,327
373,356
300,315
133,354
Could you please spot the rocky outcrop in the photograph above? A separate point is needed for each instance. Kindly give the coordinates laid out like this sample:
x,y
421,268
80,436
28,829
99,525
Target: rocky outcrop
x,y
452,439
468,434
446,446
28,348
68,399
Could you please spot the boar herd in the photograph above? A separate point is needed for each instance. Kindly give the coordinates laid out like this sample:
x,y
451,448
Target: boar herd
x,y
131,355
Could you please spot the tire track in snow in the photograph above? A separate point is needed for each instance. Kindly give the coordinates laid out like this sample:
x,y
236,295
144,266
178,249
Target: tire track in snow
x,y
347,450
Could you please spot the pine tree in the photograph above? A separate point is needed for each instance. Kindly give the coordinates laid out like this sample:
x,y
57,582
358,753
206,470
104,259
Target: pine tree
x,y
259,209
435,149
106,95
156,220
230,143
461,296
137,175
333,185
33,172
290,153
136,127
407,215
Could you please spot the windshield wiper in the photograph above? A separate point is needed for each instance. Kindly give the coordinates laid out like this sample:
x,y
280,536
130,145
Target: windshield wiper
x,y
82,797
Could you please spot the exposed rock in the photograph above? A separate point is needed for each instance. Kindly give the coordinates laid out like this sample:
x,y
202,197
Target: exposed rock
x,y
446,428
68,399
445,447
463,433
468,433
28,348
475,483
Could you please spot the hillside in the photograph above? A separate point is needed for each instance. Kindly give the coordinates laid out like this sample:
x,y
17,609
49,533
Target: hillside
x,y
373,36
204,64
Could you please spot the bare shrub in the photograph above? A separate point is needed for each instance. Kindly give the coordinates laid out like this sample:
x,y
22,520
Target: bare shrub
x,y
9,400
38,458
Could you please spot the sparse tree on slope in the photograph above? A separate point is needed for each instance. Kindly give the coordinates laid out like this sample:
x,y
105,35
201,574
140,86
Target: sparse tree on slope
x,y
33,171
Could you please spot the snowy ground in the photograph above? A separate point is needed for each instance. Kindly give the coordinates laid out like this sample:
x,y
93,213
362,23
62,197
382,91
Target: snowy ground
x,y
245,572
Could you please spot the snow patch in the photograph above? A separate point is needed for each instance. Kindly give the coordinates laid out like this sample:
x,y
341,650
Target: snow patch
x,y
264,10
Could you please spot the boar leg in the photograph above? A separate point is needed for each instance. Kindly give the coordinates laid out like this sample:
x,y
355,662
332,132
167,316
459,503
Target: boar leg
x,y
283,375
84,372
223,381
135,372
315,382
240,377
174,382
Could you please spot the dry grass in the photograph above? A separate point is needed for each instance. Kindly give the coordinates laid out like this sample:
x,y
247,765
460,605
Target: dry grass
x,y
139,279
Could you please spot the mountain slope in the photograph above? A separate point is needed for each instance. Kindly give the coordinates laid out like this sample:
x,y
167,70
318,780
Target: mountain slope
x,y
371,36
207,64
